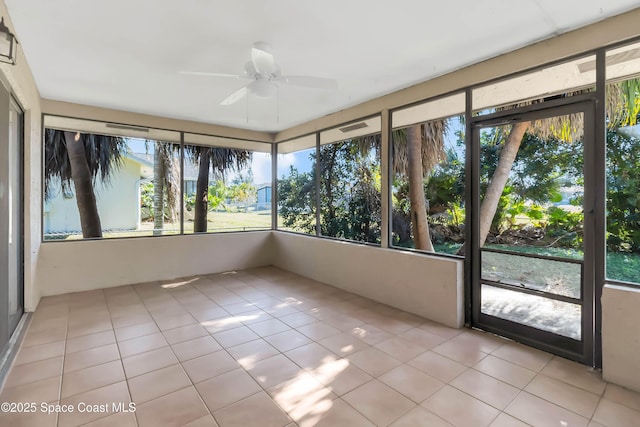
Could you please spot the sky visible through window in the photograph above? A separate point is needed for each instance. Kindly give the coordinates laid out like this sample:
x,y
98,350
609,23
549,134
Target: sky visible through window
x,y
260,163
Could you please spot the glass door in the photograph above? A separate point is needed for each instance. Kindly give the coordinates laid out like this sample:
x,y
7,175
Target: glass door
x,y
11,232
15,265
532,254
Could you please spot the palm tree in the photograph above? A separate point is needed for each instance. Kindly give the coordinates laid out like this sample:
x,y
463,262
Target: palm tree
x,y
166,180
82,158
426,141
220,160
623,107
416,151
567,128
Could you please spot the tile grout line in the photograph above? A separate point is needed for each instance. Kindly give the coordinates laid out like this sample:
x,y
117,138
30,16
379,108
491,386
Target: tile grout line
x,y
176,356
225,349
119,353
324,302
262,388
64,358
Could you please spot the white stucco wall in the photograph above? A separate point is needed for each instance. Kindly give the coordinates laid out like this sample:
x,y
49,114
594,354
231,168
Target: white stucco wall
x,y
428,286
24,88
431,287
621,336
74,266
117,201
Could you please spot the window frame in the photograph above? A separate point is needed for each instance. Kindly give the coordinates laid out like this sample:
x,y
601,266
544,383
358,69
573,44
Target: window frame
x,y
124,126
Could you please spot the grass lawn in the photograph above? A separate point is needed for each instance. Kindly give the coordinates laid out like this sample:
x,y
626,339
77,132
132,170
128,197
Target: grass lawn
x,y
623,266
563,278
217,222
235,221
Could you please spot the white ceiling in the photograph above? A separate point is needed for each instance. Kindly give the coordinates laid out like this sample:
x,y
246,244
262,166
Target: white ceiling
x,y
128,54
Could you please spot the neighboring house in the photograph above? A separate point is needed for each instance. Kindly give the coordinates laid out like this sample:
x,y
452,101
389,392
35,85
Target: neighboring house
x,y
264,197
631,131
191,178
118,201
190,173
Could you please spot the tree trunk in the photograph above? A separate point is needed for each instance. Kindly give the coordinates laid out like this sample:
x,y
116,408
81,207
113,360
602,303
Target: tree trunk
x,y
173,190
332,154
202,193
158,190
418,206
499,179
82,183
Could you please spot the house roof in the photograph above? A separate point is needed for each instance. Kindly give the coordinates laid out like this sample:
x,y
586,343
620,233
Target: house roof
x,y
190,169
144,159
146,165
131,55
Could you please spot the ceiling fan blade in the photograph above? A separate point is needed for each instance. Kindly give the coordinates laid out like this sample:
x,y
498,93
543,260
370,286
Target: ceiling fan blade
x,y
235,96
308,81
207,74
262,59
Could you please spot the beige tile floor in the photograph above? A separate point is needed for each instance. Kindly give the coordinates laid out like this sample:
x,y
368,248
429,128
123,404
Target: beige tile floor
x,y
265,348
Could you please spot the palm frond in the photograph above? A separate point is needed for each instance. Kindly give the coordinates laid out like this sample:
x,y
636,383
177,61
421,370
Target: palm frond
x,y
433,151
568,128
433,143
367,144
223,160
623,103
104,155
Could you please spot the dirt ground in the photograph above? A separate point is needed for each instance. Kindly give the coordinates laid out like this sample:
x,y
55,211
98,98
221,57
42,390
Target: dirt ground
x,y
554,316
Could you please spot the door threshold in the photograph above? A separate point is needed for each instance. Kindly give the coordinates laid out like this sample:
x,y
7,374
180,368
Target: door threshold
x,y
11,348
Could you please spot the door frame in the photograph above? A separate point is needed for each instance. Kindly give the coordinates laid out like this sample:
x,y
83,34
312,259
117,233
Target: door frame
x,y
14,320
9,323
584,351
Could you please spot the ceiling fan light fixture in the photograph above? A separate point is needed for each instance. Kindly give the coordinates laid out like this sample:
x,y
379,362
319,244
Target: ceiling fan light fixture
x,y
263,88
250,70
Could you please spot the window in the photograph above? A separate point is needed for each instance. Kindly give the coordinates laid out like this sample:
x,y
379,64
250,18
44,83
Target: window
x,y
130,180
428,164
623,164
127,178
297,185
350,179
228,184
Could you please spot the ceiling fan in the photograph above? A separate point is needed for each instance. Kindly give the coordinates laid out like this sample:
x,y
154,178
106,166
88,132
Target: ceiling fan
x,y
265,77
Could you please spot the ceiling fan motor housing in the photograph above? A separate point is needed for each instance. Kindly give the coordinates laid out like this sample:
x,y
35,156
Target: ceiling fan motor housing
x,y
263,88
